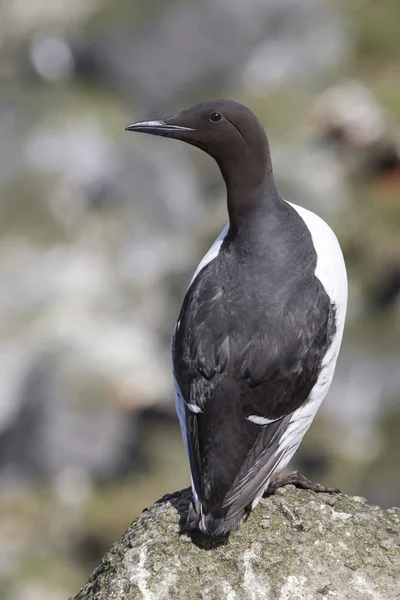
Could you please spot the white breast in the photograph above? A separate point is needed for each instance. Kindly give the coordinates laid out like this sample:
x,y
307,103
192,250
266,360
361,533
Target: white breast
x,y
331,271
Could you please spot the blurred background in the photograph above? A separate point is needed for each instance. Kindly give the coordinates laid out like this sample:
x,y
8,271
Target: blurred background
x,y
100,231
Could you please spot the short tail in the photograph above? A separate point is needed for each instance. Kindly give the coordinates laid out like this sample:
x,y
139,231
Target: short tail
x,y
209,525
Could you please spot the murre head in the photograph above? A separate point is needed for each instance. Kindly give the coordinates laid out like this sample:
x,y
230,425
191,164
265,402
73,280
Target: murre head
x,y
233,136
218,127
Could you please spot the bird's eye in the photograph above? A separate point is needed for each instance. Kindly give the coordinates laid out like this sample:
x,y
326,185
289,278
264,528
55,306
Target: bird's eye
x,y
215,117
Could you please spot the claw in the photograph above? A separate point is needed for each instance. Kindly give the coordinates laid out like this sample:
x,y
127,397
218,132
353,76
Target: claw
x,y
299,481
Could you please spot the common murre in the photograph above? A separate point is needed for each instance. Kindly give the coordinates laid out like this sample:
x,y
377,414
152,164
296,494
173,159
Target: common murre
x,y
258,336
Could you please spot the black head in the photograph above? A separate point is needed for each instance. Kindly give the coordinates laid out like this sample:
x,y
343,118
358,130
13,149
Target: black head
x,y
234,137
222,128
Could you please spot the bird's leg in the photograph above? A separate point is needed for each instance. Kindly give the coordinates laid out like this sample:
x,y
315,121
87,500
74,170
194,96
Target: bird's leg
x,y
299,481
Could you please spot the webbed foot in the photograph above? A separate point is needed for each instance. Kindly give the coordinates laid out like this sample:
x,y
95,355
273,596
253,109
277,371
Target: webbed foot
x,y
299,481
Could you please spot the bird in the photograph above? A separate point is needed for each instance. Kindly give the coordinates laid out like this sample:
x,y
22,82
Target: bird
x,y
257,338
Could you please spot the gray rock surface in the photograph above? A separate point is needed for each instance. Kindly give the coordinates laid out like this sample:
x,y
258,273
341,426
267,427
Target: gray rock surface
x,y
295,545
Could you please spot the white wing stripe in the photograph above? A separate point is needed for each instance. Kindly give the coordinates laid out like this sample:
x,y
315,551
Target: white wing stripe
x,y
260,420
193,408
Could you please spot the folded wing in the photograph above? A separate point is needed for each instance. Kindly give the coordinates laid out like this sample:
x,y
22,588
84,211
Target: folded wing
x,y
238,391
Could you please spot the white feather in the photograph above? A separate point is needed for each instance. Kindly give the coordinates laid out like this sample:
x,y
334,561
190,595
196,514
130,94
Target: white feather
x,y
260,420
194,408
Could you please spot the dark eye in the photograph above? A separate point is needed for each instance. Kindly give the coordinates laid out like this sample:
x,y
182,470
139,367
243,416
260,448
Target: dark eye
x,y
215,117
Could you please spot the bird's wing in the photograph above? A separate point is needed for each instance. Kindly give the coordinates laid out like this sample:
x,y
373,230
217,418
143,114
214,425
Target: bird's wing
x,y
239,392
260,463
188,424
188,427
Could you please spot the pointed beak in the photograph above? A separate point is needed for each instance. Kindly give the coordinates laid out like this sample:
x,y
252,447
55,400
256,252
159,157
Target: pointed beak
x,y
157,128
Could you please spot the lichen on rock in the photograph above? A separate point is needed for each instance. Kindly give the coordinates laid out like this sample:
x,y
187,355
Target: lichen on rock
x,y
295,545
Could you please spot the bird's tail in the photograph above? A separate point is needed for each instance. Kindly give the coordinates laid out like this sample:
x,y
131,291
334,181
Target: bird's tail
x,y
198,518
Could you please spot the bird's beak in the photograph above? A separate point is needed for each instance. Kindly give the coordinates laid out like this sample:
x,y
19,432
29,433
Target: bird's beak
x,y
162,127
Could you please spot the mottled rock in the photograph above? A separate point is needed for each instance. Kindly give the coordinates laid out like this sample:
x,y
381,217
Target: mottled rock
x,y
310,549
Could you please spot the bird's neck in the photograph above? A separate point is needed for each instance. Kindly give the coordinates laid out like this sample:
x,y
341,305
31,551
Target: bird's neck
x,y
251,191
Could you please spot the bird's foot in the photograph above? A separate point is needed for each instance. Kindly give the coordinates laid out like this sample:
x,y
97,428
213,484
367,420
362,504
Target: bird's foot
x,y
299,481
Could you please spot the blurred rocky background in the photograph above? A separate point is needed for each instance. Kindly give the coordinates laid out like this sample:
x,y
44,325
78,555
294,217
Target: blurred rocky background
x,y
101,230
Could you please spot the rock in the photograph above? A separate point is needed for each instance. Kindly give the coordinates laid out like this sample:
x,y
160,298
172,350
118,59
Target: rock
x,y
310,549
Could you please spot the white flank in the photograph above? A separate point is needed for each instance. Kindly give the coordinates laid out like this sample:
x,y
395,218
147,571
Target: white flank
x,y
331,271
